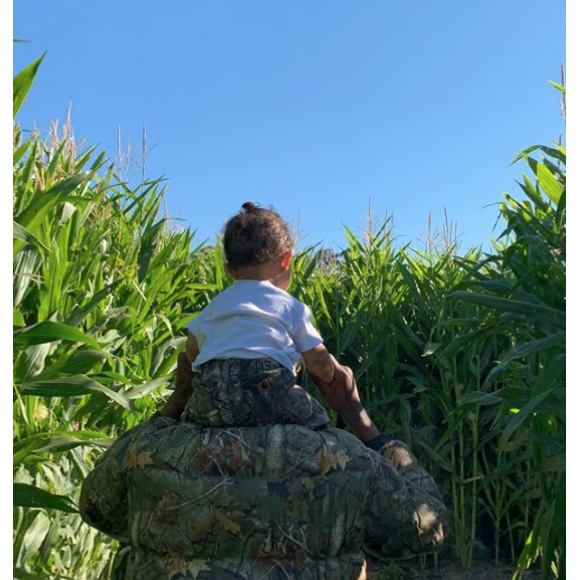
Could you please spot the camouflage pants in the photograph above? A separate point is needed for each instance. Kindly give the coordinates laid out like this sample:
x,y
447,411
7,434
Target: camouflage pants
x,y
250,392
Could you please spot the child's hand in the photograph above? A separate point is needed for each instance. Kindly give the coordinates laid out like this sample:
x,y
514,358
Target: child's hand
x,y
320,363
343,397
342,391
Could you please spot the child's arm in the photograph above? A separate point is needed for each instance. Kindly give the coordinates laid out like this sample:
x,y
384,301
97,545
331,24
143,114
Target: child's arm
x,y
342,396
175,405
320,363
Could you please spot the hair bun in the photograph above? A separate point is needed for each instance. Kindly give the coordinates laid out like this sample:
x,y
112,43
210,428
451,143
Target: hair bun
x,y
249,206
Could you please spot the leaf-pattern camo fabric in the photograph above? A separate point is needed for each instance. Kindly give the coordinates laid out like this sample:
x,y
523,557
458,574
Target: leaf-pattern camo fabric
x,y
272,502
239,392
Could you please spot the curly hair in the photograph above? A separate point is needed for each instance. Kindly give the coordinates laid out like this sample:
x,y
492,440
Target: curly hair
x,y
255,236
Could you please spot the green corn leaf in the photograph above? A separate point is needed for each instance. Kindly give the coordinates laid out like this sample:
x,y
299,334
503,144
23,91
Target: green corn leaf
x,y
49,331
22,82
30,496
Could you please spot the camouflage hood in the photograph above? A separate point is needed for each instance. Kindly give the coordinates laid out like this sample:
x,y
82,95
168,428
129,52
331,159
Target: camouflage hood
x,y
272,502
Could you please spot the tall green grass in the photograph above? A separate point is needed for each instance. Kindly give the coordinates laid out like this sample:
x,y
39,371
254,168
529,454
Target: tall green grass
x,y
461,354
103,288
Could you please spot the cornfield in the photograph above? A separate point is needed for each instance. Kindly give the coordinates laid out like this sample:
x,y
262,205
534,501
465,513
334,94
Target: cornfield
x,y
460,354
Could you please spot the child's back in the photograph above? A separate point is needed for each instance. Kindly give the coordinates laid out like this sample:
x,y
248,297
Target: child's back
x,y
246,345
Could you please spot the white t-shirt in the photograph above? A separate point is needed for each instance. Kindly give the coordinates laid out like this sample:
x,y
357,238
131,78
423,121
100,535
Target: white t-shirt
x,y
254,319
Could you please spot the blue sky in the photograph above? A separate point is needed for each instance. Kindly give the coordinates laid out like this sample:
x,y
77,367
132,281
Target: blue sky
x,y
313,107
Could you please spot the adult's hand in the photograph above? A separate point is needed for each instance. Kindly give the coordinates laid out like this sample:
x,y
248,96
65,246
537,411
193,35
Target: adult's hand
x,y
183,389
